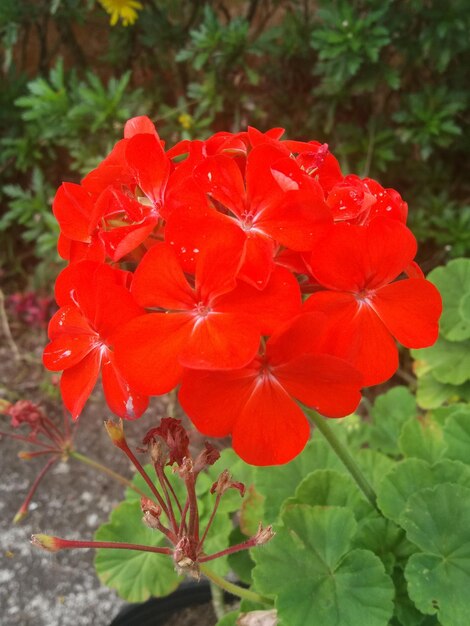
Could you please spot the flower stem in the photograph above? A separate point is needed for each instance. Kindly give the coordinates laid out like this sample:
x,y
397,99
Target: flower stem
x,y
102,468
23,510
342,452
235,590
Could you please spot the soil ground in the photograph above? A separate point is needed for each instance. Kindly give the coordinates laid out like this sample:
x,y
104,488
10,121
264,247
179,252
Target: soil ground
x,y
61,589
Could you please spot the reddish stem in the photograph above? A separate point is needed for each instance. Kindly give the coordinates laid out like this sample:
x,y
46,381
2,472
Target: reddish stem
x,y
34,442
135,461
250,543
211,519
25,455
24,507
193,527
175,497
171,515
54,544
184,512
50,434
51,424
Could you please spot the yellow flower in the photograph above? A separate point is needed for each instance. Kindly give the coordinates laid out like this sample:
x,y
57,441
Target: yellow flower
x,y
123,9
185,120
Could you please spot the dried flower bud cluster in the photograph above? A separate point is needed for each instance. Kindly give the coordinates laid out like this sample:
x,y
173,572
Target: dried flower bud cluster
x,y
165,512
45,437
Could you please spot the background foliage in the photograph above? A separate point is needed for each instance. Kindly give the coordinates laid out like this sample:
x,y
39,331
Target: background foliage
x,y
384,83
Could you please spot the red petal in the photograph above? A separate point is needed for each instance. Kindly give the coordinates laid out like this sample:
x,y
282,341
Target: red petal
x,y
194,227
73,209
67,350
77,383
259,260
329,385
147,348
139,125
354,332
159,281
69,320
150,165
353,258
98,291
299,220
303,334
220,341
271,429
277,303
114,171
215,400
121,399
123,240
218,265
410,309
220,177
268,427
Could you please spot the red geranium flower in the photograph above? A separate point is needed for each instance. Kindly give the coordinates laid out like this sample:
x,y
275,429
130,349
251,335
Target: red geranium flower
x,y
209,322
94,304
264,203
257,403
365,312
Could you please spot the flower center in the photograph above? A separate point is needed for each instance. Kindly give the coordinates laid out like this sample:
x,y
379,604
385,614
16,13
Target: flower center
x,y
201,309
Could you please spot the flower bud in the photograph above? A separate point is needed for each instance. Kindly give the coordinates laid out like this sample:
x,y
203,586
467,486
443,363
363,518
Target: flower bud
x,y
46,542
115,431
225,482
152,513
174,435
263,535
207,457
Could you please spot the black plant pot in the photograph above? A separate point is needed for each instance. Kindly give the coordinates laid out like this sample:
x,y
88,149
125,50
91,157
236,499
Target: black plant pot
x,y
157,611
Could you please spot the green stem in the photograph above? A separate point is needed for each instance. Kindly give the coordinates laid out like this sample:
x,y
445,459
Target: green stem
x,y
235,590
102,468
342,452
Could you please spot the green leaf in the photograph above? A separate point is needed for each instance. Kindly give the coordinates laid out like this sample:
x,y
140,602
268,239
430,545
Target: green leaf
x,y
229,619
327,583
136,576
240,562
280,482
457,434
422,438
431,394
252,511
438,521
382,537
374,465
390,412
331,488
449,361
410,476
453,282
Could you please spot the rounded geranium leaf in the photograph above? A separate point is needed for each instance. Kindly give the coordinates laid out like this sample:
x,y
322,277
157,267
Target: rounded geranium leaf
x,y
278,483
390,412
328,583
136,576
457,434
449,361
437,520
331,488
422,437
400,483
453,282
410,476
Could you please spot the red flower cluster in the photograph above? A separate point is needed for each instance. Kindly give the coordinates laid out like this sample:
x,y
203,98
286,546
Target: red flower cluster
x,y
256,276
